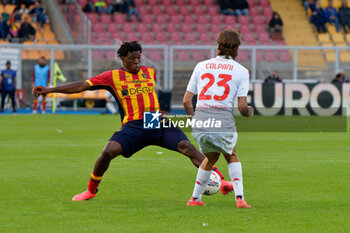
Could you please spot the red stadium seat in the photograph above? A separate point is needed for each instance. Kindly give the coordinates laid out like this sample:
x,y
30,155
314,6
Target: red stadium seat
x,y
260,29
242,56
251,3
205,38
93,18
175,36
243,19
113,27
267,12
280,42
270,56
213,11
257,20
97,54
215,29
119,18
117,35
147,18
259,55
254,11
186,28
170,28
188,19
152,2
170,10
157,28
202,19
162,19
98,27
110,55
105,18
128,28
147,37
161,37
154,55
143,10
245,29
190,37
248,37
185,10
198,10
209,2
175,19
82,2
216,19
228,19
132,36
201,28
106,42
103,36
194,3
284,56
264,3
180,2
142,27
166,3
183,56
263,37
157,10
139,2
198,56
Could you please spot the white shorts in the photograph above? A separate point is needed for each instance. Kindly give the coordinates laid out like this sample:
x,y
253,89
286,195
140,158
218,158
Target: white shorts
x,y
216,142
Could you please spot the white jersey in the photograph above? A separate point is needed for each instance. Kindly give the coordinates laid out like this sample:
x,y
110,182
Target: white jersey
x,y
218,81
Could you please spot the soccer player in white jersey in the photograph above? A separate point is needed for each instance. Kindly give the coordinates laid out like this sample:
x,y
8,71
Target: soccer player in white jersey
x,y
217,82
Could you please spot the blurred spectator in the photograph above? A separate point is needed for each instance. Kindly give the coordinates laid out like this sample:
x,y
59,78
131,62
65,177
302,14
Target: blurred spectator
x,y
26,31
226,7
130,9
241,7
38,14
317,16
14,30
275,26
118,6
8,86
88,8
4,29
340,77
102,8
331,15
26,4
41,77
344,16
16,14
273,78
111,104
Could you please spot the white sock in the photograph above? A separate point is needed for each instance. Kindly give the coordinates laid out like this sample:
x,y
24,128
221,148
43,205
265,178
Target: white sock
x,y
202,180
235,172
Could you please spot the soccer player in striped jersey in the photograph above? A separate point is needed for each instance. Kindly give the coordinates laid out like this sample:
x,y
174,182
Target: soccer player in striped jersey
x,y
217,82
133,86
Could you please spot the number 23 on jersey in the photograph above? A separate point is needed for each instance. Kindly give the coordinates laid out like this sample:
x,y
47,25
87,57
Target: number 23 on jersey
x,y
222,83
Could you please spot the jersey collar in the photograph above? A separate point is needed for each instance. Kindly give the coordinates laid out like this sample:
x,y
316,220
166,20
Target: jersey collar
x,y
129,71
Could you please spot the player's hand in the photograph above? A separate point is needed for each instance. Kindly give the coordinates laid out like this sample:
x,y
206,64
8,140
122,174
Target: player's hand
x,y
40,90
250,111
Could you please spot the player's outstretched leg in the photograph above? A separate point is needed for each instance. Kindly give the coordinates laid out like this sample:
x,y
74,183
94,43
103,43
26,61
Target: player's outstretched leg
x,y
111,150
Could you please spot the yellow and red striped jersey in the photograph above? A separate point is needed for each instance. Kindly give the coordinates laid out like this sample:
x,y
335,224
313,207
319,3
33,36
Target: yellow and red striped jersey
x,y
135,93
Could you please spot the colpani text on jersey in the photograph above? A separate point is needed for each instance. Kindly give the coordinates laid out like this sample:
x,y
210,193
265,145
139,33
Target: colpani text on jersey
x,y
219,66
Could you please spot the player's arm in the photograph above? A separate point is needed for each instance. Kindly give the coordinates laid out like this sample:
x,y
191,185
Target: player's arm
x,y
73,87
187,103
243,107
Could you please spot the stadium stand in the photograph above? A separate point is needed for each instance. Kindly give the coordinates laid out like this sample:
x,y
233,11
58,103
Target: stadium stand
x,y
185,22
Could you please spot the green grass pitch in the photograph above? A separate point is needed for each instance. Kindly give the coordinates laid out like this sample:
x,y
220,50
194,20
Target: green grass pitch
x,y
296,182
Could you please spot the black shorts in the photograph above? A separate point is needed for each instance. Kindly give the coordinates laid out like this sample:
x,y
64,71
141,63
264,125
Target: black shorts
x,y
133,137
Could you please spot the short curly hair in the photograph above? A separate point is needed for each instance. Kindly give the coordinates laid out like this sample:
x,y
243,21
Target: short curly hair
x,y
228,42
128,46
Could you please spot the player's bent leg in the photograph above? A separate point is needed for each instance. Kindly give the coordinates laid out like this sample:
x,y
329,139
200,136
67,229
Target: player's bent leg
x,y
111,150
189,150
